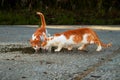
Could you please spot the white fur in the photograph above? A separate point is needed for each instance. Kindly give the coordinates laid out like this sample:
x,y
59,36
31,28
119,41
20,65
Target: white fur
x,y
99,48
59,41
81,47
56,40
42,38
84,41
47,34
36,48
33,37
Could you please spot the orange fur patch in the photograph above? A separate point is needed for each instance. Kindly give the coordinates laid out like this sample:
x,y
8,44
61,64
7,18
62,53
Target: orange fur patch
x,y
77,39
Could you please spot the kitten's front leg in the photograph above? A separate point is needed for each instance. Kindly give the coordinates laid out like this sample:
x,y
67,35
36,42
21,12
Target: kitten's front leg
x,y
59,48
50,49
82,47
70,48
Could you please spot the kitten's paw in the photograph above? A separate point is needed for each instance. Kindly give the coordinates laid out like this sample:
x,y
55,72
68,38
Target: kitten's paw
x,y
81,48
57,50
69,48
99,48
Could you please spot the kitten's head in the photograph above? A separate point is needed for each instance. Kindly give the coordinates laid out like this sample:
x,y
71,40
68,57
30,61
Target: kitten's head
x,y
47,43
37,39
35,44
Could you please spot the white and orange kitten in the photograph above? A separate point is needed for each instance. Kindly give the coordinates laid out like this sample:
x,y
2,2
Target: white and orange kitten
x,y
37,36
73,38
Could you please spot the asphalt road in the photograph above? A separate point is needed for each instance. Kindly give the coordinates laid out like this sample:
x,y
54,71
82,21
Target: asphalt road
x,y
64,65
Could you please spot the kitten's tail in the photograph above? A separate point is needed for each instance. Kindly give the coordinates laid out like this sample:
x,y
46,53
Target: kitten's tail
x,y
106,45
43,22
100,42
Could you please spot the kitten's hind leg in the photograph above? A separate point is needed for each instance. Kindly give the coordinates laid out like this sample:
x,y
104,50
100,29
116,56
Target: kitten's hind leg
x,y
82,47
99,48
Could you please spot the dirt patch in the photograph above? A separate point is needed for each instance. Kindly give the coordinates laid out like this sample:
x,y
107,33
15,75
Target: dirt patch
x,y
29,50
16,47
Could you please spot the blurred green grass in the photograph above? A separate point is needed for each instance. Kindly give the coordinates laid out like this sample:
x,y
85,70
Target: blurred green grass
x,y
55,17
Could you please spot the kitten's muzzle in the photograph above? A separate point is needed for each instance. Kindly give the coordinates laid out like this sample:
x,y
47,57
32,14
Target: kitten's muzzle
x,y
36,48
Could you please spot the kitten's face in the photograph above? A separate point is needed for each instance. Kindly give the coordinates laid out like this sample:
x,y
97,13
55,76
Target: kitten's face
x,y
35,44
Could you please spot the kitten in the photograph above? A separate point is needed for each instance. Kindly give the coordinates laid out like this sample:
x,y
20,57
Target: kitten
x,y
37,36
74,38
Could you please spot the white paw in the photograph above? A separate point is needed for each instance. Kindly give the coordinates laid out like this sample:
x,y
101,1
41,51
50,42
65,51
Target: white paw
x,y
69,48
80,48
57,50
99,48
